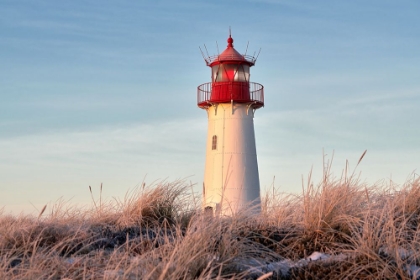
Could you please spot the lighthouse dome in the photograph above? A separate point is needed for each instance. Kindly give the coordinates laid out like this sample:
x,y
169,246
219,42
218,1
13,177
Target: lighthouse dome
x,y
231,55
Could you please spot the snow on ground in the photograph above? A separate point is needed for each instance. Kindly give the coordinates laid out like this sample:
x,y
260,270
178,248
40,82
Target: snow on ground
x,y
260,269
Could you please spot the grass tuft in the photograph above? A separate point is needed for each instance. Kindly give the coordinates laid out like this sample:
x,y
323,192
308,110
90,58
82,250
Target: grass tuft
x,y
159,232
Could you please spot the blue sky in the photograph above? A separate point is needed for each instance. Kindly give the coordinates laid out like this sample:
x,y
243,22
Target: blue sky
x,y
98,92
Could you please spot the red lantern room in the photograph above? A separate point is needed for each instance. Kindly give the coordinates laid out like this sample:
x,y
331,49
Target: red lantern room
x,y
230,80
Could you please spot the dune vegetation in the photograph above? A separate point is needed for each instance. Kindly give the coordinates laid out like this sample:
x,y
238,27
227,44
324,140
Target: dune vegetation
x,y
339,228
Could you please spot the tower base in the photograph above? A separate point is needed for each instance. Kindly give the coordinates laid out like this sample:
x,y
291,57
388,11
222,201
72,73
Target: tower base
x,y
231,180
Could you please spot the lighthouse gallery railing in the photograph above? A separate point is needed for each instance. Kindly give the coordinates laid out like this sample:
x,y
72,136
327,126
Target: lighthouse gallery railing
x,y
256,94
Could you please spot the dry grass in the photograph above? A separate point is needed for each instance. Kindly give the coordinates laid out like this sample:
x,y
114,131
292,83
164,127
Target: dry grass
x,y
158,232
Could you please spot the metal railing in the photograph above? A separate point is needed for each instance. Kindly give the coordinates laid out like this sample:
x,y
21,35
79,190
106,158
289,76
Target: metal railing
x,y
210,59
255,94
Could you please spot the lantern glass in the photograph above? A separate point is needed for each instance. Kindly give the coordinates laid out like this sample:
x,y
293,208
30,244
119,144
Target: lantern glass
x,y
230,72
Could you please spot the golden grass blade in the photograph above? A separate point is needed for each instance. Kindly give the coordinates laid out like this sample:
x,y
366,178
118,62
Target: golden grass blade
x,y
42,211
265,276
361,157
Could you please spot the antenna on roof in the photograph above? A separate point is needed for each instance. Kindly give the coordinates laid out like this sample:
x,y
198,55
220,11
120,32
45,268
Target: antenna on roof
x,y
202,54
230,33
217,46
246,48
206,50
258,54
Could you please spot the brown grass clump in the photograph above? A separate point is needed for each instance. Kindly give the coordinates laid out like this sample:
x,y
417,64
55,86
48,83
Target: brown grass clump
x,y
159,232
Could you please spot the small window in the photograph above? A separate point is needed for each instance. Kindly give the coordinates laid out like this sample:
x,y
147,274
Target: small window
x,y
214,142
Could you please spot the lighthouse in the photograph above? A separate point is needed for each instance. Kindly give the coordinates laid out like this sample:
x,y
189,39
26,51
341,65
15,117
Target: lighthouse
x,y
231,180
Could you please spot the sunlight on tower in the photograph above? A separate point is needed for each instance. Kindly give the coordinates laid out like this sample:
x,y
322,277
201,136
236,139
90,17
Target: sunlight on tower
x,y
231,180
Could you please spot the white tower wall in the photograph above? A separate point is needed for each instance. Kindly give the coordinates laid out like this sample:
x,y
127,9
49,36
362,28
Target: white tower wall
x,y
231,180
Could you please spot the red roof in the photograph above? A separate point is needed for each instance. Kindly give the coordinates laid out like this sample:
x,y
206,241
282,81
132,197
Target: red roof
x,y
231,55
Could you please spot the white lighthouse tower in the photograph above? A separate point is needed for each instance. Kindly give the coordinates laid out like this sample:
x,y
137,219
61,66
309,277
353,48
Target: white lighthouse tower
x,y
231,180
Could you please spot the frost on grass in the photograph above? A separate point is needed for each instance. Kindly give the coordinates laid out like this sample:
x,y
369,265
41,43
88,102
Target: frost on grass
x,y
337,229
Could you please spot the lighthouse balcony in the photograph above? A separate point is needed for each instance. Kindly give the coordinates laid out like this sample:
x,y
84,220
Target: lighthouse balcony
x,y
227,92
